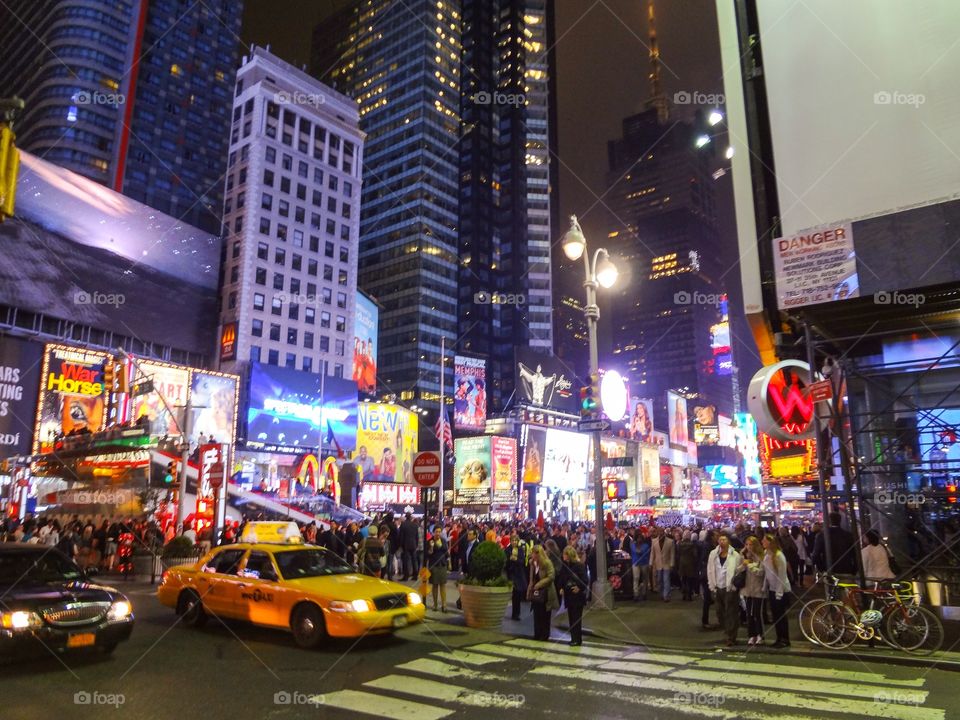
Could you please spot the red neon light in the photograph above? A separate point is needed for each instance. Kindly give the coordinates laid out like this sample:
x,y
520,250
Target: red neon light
x,y
793,410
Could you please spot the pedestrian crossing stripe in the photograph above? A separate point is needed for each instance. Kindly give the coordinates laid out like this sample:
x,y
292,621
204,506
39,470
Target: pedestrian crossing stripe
x,y
373,704
444,691
443,677
861,708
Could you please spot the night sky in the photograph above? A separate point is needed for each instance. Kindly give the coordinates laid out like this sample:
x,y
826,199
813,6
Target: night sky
x,y
602,66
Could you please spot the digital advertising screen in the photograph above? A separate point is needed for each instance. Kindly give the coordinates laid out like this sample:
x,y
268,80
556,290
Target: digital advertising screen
x,y
366,327
545,381
469,393
503,465
534,449
472,476
678,421
296,410
565,460
386,443
214,398
640,427
173,382
73,397
19,378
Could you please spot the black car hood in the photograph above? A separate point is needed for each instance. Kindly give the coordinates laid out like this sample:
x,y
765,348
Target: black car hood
x,y
37,594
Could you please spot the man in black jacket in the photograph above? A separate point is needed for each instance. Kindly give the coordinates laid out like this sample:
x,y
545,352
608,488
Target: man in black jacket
x,y
407,537
842,549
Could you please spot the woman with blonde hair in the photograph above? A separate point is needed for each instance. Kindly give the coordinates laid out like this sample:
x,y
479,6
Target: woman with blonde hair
x,y
753,591
541,592
777,585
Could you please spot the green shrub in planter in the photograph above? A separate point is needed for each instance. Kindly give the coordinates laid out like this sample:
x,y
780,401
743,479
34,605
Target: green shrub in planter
x,y
179,547
486,566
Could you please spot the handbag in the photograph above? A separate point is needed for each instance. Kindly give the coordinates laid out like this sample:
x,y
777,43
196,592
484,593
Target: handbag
x,y
539,595
740,579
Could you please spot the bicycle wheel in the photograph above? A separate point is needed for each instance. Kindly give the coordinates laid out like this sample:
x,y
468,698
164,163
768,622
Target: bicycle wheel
x,y
806,618
834,625
915,629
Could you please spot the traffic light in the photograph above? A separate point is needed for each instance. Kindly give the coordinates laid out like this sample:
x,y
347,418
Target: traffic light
x,y
9,166
109,375
590,397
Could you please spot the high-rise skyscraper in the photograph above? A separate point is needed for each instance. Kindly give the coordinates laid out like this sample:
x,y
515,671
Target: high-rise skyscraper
x,y
505,280
401,63
134,94
454,98
667,325
291,216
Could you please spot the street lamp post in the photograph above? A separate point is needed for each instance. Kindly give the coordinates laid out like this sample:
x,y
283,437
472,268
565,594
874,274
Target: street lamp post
x,y
599,270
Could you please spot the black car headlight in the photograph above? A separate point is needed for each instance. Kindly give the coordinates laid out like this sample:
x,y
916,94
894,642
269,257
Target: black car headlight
x,y
119,610
20,620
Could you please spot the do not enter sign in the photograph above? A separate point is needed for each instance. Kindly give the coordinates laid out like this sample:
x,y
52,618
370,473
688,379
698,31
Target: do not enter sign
x,y
426,469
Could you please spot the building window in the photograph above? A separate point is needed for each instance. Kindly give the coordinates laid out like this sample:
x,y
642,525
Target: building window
x,y
278,281
308,340
298,238
287,164
339,348
258,301
333,182
308,364
298,214
282,232
348,189
276,306
273,357
328,272
296,262
293,312
327,296
236,250
271,156
324,319
261,276
295,286
291,336
302,169
238,224
231,301
344,254
317,198
256,328
275,331
292,361
255,353
283,208
331,204
331,228
266,201
279,256
328,249
344,232
265,225
234,273
309,315
341,323
338,370
342,278
324,343
263,251
341,300
314,243
312,267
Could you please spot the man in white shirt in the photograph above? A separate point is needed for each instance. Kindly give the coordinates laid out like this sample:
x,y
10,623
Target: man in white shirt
x,y
723,564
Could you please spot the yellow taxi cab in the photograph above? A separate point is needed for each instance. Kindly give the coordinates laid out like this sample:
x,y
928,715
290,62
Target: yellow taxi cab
x,y
272,578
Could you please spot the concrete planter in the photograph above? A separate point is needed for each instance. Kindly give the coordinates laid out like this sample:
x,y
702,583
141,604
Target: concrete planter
x,y
484,607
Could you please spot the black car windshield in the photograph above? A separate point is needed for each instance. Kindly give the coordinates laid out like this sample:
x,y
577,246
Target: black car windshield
x,y
295,564
18,568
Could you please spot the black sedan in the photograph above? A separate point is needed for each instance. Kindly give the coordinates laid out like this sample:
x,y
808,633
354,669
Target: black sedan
x,y
47,600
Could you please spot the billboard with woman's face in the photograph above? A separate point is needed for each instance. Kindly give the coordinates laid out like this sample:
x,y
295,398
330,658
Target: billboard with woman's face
x,y
677,418
640,426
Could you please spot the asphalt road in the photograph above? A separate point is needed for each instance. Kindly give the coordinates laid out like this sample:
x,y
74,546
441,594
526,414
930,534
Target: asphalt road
x,y
443,670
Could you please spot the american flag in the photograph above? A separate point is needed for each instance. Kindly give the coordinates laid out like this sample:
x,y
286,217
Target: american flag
x,y
442,419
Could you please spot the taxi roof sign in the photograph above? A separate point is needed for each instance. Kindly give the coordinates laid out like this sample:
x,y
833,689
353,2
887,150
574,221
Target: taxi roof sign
x,y
274,533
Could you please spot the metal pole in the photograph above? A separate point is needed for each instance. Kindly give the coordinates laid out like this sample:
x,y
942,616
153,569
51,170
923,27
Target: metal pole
x,y
184,459
602,591
824,505
443,420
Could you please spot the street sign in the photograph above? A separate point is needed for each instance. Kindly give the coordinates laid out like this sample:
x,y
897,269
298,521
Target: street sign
x,y
426,468
215,475
820,391
144,387
593,425
618,462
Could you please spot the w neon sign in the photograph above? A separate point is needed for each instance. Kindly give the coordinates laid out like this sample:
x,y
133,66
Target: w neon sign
x,y
779,401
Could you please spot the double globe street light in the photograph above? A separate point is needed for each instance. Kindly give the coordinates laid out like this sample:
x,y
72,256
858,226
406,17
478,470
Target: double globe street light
x,y
601,271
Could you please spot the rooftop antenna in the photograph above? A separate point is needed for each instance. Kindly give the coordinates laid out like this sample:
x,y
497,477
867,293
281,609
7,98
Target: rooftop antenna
x,y
657,99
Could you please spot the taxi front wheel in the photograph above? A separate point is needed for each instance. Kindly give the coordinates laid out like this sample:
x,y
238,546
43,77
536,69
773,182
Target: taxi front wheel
x,y
190,609
307,626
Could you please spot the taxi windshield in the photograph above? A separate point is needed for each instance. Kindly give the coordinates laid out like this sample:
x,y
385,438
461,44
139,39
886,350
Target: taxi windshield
x,y
313,562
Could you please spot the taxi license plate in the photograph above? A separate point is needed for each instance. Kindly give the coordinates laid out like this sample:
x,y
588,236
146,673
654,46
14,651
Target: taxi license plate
x,y
81,640
400,621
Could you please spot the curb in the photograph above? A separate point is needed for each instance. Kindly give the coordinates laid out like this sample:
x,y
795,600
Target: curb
x,y
905,660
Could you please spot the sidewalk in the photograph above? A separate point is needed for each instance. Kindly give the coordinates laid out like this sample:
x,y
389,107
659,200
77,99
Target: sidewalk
x,y
676,626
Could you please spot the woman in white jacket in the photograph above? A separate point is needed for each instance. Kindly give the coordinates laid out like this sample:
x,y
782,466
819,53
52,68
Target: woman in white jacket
x,y
876,560
777,585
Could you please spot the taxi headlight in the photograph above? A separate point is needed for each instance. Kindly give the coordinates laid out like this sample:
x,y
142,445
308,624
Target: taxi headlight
x,y
20,620
351,606
120,610
414,599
